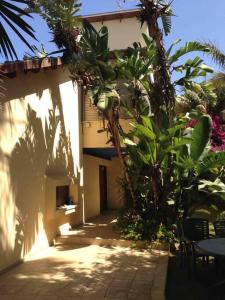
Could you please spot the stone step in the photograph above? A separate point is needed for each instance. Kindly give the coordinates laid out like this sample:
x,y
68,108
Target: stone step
x,y
76,240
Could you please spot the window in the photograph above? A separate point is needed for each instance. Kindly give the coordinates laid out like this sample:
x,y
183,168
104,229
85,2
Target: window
x,y
62,196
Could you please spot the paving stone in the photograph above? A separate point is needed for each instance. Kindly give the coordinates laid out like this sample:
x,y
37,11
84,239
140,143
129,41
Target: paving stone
x,y
88,272
121,283
116,292
6,297
43,297
9,289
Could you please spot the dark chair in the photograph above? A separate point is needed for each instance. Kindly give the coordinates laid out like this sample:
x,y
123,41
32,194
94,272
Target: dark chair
x,y
219,227
193,230
182,243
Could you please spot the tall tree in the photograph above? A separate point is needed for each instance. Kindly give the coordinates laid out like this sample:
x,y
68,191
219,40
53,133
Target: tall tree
x,y
163,92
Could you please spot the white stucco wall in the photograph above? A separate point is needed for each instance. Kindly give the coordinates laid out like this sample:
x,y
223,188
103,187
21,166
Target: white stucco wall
x,y
40,147
123,33
92,187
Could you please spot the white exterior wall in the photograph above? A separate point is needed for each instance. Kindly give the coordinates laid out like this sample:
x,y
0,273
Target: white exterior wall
x,y
40,148
123,33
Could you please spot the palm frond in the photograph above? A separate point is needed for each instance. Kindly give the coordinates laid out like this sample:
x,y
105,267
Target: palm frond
x,y
9,14
167,23
218,80
166,14
216,54
187,48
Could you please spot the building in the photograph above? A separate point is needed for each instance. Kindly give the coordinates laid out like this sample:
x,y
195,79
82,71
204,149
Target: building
x,y
56,170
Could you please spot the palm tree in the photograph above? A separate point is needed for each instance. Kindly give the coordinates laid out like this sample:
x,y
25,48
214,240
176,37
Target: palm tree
x,y
61,18
218,56
10,14
163,92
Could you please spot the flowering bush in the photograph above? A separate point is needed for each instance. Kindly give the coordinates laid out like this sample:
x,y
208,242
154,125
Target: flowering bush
x,y
218,135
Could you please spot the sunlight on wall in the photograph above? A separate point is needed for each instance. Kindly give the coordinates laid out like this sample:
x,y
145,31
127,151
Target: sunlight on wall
x,y
7,209
41,105
72,119
123,33
31,140
13,122
93,139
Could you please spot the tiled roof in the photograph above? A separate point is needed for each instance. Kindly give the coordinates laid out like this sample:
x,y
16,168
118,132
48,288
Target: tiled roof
x,y
11,68
116,15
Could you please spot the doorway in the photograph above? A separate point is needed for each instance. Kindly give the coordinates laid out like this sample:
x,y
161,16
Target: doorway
x,y
103,188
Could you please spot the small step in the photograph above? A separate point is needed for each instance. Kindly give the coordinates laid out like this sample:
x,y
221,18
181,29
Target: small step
x,y
77,240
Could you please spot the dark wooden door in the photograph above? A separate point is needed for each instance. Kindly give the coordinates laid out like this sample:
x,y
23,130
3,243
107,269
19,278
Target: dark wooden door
x,y
103,187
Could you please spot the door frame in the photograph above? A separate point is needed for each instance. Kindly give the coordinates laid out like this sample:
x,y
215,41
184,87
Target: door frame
x,y
103,188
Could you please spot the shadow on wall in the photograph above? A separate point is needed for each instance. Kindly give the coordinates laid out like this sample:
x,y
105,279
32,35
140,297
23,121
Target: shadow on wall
x,y
27,168
43,148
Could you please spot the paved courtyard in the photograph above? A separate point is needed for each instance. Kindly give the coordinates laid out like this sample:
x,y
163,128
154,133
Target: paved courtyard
x,y
69,272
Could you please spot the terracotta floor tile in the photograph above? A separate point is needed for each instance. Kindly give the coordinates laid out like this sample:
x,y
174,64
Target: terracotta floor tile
x,y
116,292
71,272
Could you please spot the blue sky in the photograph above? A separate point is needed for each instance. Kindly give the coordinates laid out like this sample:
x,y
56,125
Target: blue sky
x,y
194,20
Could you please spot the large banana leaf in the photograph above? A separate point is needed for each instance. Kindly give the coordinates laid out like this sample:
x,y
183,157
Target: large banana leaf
x,y
9,13
216,187
201,136
107,99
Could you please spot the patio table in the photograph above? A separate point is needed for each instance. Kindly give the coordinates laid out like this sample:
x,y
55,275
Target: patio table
x,y
213,247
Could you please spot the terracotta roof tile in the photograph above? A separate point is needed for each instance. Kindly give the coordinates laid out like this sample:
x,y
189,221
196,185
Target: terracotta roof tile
x,y
11,68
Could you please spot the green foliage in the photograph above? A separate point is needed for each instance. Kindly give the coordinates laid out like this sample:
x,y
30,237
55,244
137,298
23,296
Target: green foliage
x,y
185,175
107,100
56,12
200,137
61,18
162,8
135,227
211,161
218,80
216,187
187,48
193,68
198,94
217,55
93,67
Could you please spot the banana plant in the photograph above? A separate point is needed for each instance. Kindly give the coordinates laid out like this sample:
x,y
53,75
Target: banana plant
x,y
177,169
198,169
138,70
151,151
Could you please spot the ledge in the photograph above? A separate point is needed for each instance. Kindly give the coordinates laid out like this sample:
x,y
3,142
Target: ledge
x,y
67,209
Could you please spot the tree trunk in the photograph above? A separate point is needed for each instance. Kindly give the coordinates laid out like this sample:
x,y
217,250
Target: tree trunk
x,y
163,93
114,127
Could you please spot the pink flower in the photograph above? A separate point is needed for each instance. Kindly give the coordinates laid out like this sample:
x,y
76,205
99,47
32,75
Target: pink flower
x,y
218,135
